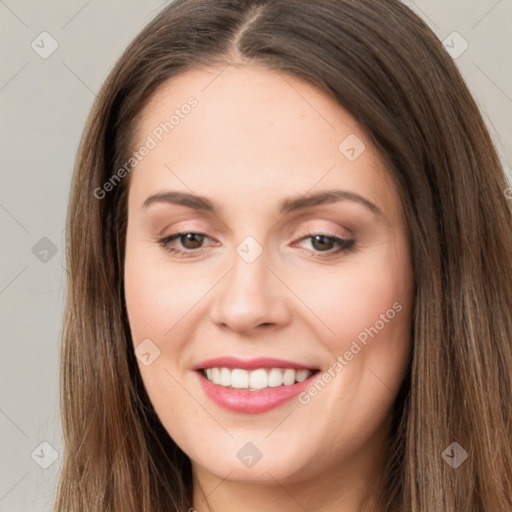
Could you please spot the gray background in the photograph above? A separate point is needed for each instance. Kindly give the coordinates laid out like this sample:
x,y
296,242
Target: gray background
x,y
44,104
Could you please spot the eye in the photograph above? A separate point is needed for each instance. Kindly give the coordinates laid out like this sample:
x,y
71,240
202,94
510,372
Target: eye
x,y
323,243
192,243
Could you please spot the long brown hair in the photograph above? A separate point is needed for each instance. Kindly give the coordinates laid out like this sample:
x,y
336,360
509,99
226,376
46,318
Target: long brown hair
x,y
383,64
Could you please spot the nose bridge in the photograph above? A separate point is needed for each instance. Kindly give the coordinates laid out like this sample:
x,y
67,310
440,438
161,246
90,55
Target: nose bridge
x,y
251,256
251,294
249,278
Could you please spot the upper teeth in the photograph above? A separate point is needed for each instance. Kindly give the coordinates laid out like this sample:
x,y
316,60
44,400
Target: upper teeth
x,y
256,379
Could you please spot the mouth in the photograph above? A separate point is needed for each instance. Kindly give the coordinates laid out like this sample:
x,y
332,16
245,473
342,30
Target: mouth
x,y
254,386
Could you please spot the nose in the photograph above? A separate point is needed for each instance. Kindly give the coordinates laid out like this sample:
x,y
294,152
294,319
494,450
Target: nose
x,y
250,297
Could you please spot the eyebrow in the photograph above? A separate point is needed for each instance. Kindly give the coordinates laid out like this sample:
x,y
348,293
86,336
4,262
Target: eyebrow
x,y
288,205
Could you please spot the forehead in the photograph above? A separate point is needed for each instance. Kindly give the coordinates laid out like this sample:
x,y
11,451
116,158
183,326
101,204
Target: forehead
x,y
253,129
262,102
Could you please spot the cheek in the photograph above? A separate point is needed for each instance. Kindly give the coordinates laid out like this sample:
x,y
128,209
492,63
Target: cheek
x,y
156,297
160,303
366,309
367,293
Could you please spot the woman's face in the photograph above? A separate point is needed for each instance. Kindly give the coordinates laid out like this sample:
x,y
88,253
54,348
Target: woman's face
x,y
297,308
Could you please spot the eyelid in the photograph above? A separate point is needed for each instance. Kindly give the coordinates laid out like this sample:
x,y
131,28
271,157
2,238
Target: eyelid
x,y
337,231
182,227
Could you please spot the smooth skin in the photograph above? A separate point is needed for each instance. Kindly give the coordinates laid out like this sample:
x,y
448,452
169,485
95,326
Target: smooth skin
x,y
255,138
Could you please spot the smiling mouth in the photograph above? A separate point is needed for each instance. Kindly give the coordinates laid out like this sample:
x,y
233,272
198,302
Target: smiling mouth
x,y
257,379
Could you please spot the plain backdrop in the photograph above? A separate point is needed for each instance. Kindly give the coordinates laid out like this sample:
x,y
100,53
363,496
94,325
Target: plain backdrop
x,y
55,56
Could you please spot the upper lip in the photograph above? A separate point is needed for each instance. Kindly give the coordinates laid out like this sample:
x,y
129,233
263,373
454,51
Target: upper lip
x,y
249,364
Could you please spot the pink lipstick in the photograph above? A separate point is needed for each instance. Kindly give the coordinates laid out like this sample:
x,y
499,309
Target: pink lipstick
x,y
252,386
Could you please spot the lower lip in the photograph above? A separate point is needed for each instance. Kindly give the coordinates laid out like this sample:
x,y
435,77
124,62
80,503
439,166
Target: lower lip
x,y
251,402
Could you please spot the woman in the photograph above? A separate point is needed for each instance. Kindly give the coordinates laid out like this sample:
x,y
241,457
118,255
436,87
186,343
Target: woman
x,y
289,261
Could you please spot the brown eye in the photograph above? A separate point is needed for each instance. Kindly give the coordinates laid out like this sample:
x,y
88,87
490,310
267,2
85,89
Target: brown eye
x,y
328,244
188,244
191,240
322,242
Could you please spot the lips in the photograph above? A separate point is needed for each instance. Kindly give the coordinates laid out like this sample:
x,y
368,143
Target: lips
x,y
252,386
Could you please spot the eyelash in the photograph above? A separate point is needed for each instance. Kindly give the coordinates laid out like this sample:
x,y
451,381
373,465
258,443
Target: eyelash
x,y
345,246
